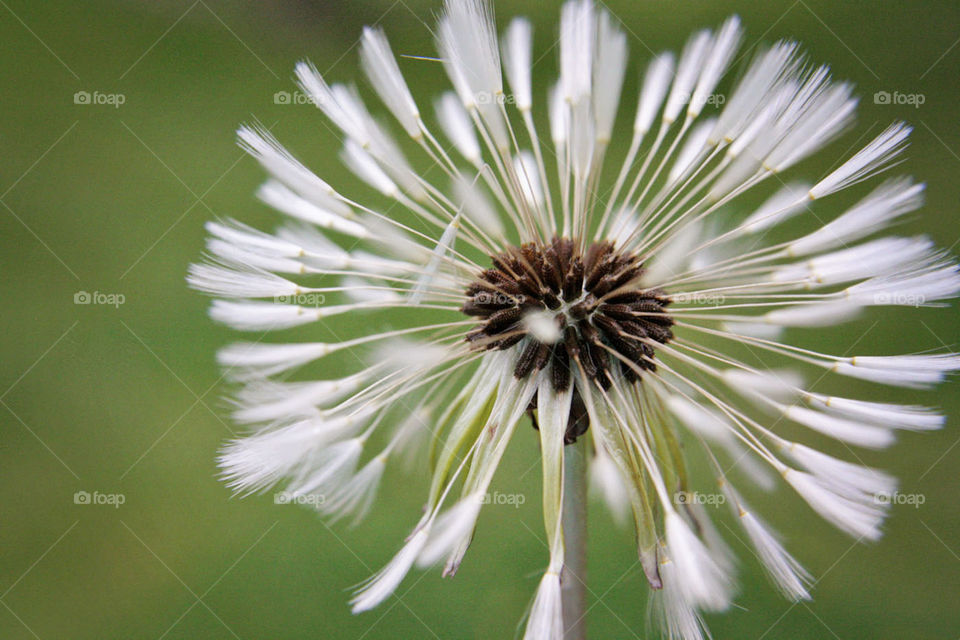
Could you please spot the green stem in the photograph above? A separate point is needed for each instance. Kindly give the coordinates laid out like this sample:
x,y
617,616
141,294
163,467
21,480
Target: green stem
x,y
574,575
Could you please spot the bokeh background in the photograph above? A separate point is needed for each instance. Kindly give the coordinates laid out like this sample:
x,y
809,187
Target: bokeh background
x,y
126,400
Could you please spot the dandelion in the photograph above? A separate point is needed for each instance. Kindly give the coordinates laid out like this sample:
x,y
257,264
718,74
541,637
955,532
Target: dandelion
x,y
613,309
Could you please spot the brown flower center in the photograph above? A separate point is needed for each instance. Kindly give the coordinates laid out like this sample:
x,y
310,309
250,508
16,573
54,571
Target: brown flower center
x,y
605,319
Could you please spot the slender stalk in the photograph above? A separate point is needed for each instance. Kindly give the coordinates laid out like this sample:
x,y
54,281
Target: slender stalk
x,y
574,575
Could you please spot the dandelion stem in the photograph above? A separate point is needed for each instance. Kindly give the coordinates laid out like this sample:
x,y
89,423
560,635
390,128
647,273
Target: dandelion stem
x,y
574,576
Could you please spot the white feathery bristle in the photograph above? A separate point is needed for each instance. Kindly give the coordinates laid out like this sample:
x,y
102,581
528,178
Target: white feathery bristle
x,y
847,477
719,549
921,286
472,46
271,155
284,200
758,136
405,355
578,32
380,586
243,235
692,151
390,240
621,227
849,431
673,258
880,257
246,257
310,238
713,426
525,166
723,47
411,436
688,71
335,103
758,82
884,204
467,41
517,49
897,416
366,168
786,573
477,206
670,607
542,325
704,421
248,360
874,157
546,614
381,66
608,71
268,401
261,316
354,497
790,200
782,385
235,283
703,581
559,119
858,515
430,278
753,329
818,314
818,113
581,137
369,263
607,482
300,452
362,290
913,371
328,469
456,125
450,529
656,81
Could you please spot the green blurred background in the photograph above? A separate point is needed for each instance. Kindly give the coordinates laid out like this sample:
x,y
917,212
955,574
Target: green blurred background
x,y
126,400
